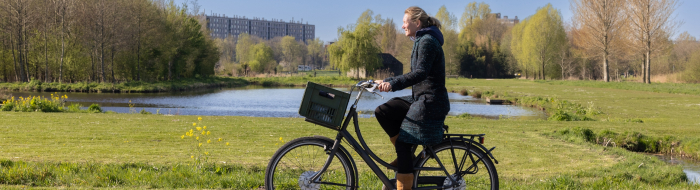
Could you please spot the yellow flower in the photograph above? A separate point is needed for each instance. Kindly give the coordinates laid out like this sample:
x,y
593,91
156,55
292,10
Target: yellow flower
x,y
226,143
191,156
280,138
200,144
199,118
199,128
205,127
182,137
198,139
204,133
208,132
219,139
194,124
206,153
208,140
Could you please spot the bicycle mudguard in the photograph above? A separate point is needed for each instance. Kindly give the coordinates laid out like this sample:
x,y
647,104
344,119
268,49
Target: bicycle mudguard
x,y
461,138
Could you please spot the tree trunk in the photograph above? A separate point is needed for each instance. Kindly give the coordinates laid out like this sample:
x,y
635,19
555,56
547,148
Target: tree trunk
x,y
648,63
92,63
14,57
102,47
170,70
644,68
20,48
63,47
112,61
606,74
46,55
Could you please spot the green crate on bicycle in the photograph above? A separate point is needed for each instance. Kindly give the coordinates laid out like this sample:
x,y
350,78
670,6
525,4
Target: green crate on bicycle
x,y
323,105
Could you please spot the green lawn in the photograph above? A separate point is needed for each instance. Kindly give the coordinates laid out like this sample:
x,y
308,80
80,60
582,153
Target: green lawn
x,y
80,150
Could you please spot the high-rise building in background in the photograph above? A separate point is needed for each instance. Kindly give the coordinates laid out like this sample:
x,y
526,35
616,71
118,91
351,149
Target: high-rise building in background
x,y
506,20
221,26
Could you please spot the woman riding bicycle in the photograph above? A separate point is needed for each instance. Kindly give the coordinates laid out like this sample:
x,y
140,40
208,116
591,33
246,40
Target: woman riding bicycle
x,y
419,118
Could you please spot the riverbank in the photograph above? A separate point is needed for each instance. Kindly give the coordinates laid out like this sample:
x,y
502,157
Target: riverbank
x,y
177,85
127,87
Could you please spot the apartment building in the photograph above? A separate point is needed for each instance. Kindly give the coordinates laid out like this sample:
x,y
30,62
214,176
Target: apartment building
x,y
222,26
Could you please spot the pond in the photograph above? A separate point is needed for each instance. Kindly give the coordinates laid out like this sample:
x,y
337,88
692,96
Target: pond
x,y
266,102
690,167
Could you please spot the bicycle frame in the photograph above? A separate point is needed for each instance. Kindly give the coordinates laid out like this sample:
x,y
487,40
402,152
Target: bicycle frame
x,y
364,154
372,159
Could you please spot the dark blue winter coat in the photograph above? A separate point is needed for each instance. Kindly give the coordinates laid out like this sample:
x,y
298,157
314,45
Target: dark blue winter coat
x,y
430,104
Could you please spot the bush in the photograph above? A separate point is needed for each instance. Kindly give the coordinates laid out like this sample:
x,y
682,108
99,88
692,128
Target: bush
x,y
477,94
692,72
143,111
34,104
463,92
94,108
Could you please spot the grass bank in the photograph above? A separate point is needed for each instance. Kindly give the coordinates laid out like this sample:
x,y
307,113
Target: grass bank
x,y
126,87
663,122
334,81
673,88
108,150
531,155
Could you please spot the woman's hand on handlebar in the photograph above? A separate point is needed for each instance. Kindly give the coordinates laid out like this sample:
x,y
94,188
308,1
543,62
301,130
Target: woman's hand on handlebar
x,y
383,86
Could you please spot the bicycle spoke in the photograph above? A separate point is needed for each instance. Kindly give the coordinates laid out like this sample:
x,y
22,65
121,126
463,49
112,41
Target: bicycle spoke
x,y
471,170
299,163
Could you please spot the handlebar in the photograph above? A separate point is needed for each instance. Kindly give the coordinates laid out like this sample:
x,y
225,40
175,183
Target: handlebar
x,y
369,86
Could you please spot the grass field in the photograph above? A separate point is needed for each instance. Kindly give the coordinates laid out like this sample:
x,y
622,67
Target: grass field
x,y
79,150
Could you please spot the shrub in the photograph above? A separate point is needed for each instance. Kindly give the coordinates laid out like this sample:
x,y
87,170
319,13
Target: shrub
x,y
143,111
74,108
94,108
477,94
463,92
465,116
34,104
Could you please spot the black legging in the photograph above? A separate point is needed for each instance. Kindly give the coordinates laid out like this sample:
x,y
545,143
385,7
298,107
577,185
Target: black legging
x,y
390,115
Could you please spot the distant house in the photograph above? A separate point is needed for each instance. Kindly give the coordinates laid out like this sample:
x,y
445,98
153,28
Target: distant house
x,y
390,67
304,68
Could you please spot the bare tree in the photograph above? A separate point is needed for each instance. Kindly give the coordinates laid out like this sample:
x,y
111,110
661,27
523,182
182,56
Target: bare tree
x,y
651,21
601,22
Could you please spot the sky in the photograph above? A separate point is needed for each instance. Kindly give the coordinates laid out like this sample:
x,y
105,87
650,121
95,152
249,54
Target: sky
x,y
328,15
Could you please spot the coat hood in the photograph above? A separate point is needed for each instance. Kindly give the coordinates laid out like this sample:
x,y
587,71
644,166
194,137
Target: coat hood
x,y
433,31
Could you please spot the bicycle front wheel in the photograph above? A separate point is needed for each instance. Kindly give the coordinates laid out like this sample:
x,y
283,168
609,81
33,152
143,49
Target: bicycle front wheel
x,y
467,164
295,163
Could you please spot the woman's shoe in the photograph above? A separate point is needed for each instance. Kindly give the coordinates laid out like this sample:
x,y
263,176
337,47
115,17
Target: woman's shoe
x,y
404,181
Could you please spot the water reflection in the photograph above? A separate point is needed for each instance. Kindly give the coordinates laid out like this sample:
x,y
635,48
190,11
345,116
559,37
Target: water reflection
x,y
265,102
691,168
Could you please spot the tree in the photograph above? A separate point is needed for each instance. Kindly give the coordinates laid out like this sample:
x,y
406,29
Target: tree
x,y
356,47
542,38
262,58
651,22
314,49
448,28
601,22
291,51
474,11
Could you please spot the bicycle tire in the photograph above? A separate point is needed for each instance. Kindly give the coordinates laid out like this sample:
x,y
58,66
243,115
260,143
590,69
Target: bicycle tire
x,y
477,180
285,169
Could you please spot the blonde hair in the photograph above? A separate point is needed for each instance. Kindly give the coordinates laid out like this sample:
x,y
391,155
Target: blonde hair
x,y
416,13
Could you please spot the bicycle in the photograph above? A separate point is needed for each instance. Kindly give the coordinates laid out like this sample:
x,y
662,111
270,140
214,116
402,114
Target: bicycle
x,y
308,162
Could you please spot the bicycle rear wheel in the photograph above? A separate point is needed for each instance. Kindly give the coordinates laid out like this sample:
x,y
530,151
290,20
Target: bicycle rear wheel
x,y
293,165
469,165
